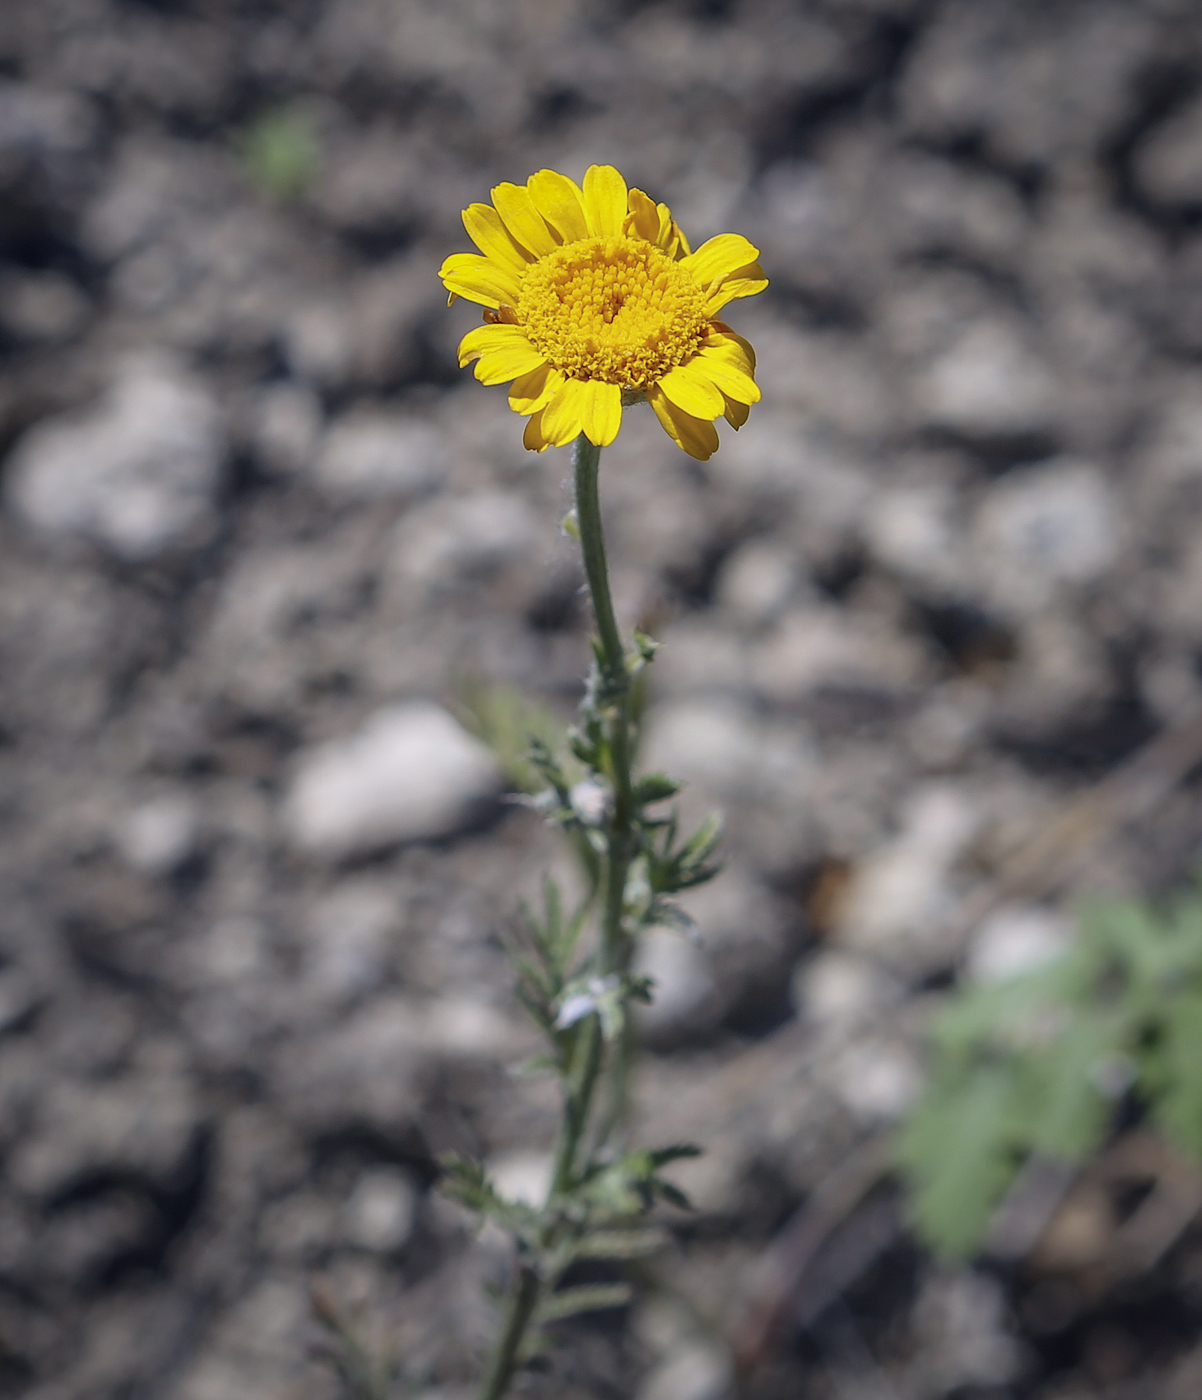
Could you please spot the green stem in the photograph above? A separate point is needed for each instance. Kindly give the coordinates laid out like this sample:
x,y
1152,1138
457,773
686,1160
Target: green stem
x,y
505,1359
613,702
615,697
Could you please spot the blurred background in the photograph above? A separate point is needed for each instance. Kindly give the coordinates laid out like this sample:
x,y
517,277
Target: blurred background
x,y
932,626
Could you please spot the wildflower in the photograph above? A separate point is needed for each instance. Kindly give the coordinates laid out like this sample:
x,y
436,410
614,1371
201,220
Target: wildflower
x,y
594,301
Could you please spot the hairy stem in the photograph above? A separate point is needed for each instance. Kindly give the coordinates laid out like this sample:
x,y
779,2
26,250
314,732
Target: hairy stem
x,y
612,701
505,1359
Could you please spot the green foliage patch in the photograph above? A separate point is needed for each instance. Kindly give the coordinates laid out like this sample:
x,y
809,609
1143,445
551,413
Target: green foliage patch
x,y
1037,1064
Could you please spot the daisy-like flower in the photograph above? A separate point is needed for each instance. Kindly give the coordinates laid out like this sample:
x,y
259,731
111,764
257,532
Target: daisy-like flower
x,y
593,301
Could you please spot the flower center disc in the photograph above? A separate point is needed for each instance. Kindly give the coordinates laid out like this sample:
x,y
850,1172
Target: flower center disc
x,y
614,309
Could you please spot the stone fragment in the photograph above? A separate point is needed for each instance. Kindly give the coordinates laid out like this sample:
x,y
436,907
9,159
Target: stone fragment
x,y
1169,162
158,836
136,473
366,455
987,384
1043,528
380,1212
410,773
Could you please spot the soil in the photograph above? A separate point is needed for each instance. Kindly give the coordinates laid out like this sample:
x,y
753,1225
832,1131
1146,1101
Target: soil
x,y
945,584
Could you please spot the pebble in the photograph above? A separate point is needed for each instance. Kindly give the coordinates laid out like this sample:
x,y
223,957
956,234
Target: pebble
x,y
157,837
1045,528
381,1211
409,773
373,454
695,1370
1017,939
135,473
987,384
1168,164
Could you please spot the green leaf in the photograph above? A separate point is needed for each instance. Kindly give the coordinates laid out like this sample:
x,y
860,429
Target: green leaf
x,y
620,1244
1062,1108
568,1302
1178,1109
956,1150
522,732
655,787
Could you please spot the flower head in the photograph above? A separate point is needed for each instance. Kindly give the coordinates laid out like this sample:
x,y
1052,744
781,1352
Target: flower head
x,y
594,300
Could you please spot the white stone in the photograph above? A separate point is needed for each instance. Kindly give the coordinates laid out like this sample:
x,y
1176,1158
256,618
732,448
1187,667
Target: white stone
x,y
521,1176
1017,939
135,473
987,383
912,530
720,745
380,454
1043,528
380,1212
409,773
695,1370
966,1342
286,422
349,930
877,1081
835,990
442,542
684,986
1169,163
812,647
158,837
757,580
900,892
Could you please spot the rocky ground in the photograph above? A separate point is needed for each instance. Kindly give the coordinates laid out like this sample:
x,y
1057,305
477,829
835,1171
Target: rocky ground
x,y
261,539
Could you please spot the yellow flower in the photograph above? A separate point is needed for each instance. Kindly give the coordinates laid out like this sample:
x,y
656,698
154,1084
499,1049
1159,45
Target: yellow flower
x,y
593,300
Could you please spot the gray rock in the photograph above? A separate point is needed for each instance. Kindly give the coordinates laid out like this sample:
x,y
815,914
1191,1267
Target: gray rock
x,y
136,473
695,1370
1169,163
158,836
142,1124
380,454
285,422
380,1212
757,580
685,989
988,383
446,542
409,773
1042,529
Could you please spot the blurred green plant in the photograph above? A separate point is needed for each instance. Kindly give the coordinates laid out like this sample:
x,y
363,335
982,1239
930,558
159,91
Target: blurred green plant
x,y
509,721
1038,1064
280,151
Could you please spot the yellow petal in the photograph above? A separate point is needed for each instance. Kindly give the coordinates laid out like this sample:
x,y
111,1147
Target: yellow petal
x,y
485,338
561,417
720,256
489,234
695,436
533,391
689,387
731,380
480,279
746,281
732,347
559,200
506,362
604,201
522,219
644,218
736,413
533,438
601,412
